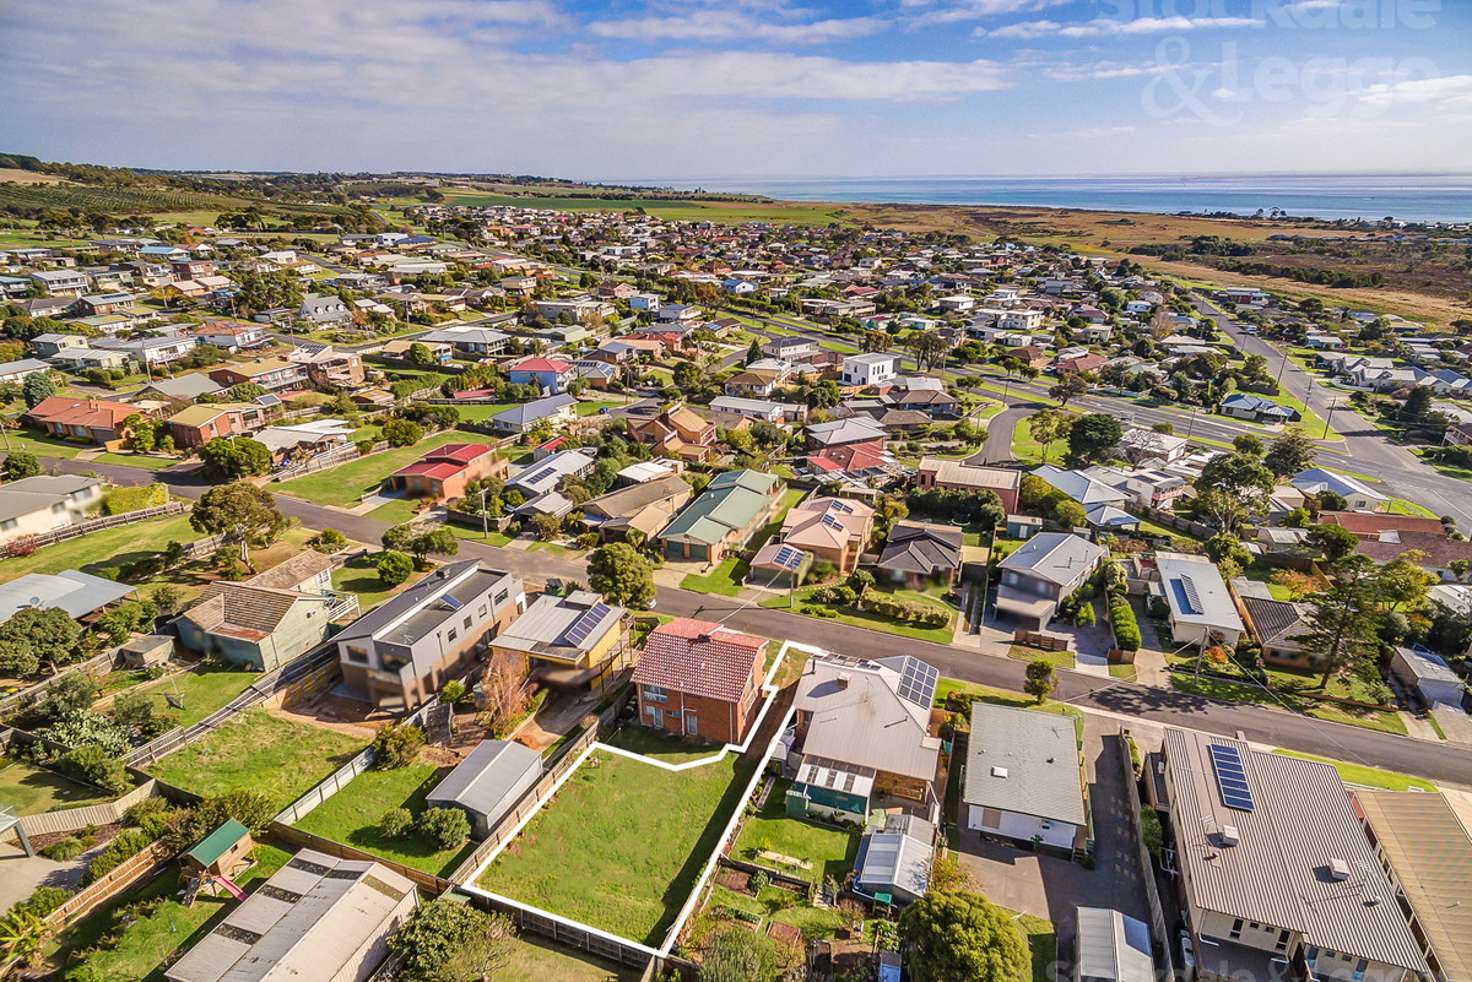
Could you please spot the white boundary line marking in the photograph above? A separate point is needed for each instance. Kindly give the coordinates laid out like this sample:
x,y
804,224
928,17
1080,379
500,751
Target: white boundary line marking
x,y
688,908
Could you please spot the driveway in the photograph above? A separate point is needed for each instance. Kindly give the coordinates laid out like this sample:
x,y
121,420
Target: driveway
x,y
1049,886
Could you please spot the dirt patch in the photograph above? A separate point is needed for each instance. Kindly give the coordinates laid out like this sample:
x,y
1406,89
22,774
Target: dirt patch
x,y
332,713
733,879
15,175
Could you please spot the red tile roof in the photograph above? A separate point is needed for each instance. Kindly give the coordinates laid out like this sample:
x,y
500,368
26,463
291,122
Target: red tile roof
x,y
1373,523
426,468
849,457
81,412
542,365
700,658
460,453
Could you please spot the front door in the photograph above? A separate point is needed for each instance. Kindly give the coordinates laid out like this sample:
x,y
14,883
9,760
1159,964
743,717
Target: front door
x,y
691,726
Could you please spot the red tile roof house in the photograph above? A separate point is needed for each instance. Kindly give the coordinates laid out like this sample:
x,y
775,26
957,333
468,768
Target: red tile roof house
x,y
698,679
87,419
442,474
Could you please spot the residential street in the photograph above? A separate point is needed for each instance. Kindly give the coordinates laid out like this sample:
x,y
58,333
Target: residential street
x,y
1439,762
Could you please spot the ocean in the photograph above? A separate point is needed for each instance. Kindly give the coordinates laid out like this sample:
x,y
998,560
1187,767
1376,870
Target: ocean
x,y
1409,197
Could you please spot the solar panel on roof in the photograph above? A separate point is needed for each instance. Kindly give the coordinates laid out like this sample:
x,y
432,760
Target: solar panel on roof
x,y
788,558
831,522
1231,777
586,621
917,682
451,602
1191,600
841,506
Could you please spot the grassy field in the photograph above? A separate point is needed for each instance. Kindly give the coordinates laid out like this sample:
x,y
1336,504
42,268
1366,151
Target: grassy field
x,y
352,815
603,853
202,692
481,412
264,753
829,849
1370,777
347,483
145,944
1028,451
106,548
35,790
876,622
532,958
40,444
361,577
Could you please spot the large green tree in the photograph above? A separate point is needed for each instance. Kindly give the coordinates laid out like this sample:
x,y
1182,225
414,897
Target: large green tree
x,y
37,636
19,464
622,575
448,942
242,513
1091,435
231,458
962,937
1291,452
1342,620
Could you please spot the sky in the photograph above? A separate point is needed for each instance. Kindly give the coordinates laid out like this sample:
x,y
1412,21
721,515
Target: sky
x,y
680,89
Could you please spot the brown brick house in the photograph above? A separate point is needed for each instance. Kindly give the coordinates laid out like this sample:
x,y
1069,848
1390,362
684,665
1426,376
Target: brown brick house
x,y
696,678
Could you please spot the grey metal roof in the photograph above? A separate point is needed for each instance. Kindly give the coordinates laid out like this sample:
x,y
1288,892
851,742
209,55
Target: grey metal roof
x,y
562,627
859,718
1277,873
190,386
1055,556
1196,592
409,616
1023,761
545,474
529,412
483,781
32,494
77,593
1113,947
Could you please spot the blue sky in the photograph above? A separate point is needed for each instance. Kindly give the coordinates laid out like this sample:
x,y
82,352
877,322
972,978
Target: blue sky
x,y
764,88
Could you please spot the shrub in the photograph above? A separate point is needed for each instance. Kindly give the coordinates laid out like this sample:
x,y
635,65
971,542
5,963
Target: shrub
x,y
94,765
151,815
127,843
43,900
250,808
396,745
1126,628
759,881
396,822
445,827
329,541
453,692
1085,615
394,567
68,848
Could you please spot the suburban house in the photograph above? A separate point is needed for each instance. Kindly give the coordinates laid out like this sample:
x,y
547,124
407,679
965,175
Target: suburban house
x,y
918,553
1202,612
233,335
1103,503
1276,876
861,741
1435,552
442,473
1245,405
762,409
644,508
551,375
79,594
676,432
834,530
49,345
1023,777
1357,495
575,641
1139,445
1276,625
874,368
959,475
894,860
324,309
271,374
151,351
470,341
699,679
793,349
487,783
543,476
1044,571
400,653
1146,488
317,917
96,420
329,368
196,425
840,432
724,518
181,388
1428,675
1426,850
558,410
1111,947
20,370
40,504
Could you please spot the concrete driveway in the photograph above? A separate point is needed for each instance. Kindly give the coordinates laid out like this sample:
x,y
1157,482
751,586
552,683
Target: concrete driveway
x,y
1049,886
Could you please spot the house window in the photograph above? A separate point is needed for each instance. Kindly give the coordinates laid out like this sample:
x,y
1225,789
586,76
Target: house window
x,y
1282,944
480,611
357,655
1236,929
501,596
654,693
467,622
451,634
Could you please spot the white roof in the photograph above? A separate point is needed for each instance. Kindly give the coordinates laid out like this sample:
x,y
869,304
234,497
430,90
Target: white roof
x,y
77,593
1196,592
1318,479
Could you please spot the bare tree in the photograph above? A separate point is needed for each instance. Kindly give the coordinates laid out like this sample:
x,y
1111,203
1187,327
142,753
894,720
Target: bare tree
x,y
504,685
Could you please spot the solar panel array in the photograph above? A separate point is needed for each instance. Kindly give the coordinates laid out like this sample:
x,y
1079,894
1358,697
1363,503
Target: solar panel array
x,y
832,522
917,682
451,602
578,633
1231,777
788,558
840,506
540,475
1192,599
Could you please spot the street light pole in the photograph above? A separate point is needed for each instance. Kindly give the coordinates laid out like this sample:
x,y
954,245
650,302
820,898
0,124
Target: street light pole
x,y
485,520
1332,403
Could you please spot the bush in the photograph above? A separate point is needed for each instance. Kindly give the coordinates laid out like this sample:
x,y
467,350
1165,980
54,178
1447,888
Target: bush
x,y
42,901
396,822
68,848
394,567
447,828
329,541
127,843
1085,615
453,692
396,745
151,815
94,765
1126,628
250,808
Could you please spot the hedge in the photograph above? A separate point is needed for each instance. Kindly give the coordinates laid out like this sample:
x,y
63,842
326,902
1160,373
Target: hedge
x,y
1126,628
121,501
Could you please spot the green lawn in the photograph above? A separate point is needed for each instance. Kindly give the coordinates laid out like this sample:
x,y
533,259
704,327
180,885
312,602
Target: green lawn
x,y
1228,690
1058,659
360,576
725,580
35,790
1004,697
876,622
1402,506
41,445
498,539
152,462
201,691
146,943
99,549
1370,777
1262,573
621,845
352,815
829,849
395,512
595,406
346,484
1042,944
264,753
1028,451
480,412
530,957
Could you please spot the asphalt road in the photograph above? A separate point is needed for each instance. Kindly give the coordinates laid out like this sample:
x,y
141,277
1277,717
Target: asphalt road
x,y
1442,763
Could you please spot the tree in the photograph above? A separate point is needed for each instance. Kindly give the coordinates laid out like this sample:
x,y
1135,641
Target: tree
x,y
394,567
504,692
547,526
37,636
928,347
1049,425
1243,478
234,457
38,387
20,465
1416,407
245,391
419,354
1249,444
446,828
621,575
439,542
754,352
1091,435
241,512
397,745
737,955
1041,679
400,432
1342,620
1291,452
439,934
71,693
1334,542
1069,513
962,937
1071,385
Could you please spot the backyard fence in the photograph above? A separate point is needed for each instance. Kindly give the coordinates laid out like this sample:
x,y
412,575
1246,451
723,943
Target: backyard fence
x,y
31,694
1158,930
72,819
98,524
322,461
1037,639
298,839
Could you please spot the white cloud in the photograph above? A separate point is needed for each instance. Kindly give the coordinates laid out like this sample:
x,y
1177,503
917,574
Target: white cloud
x,y
968,10
1104,70
1110,27
729,25
1446,90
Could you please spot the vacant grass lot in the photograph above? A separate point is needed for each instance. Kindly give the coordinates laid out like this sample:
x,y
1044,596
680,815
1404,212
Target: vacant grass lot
x,y
261,752
622,843
109,547
1029,451
360,576
829,849
352,815
347,483
876,622
147,942
35,790
200,692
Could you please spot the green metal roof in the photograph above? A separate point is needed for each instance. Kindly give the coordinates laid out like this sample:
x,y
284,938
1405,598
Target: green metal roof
x,y
732,501
218,842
